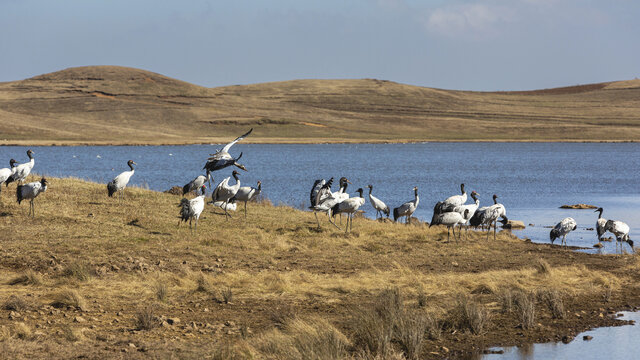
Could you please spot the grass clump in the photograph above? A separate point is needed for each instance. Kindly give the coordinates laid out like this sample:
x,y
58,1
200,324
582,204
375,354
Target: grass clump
x,y
203,284
28,277
468,315
146,318
161,291
313,338
387,324
553,299
69,298
525,303
78,270
15,303
227,295
542,267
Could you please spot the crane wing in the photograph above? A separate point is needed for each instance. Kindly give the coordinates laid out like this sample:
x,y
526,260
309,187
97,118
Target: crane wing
x,y
229,145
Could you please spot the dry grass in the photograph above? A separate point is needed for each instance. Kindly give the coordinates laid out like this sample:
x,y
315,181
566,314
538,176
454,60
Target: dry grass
x,y
29,277
391,290
69,298
92,105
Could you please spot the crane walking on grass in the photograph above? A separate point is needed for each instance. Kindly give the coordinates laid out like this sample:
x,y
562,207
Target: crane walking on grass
x,y
221,159
224,192
450,220
247,193
323,200
349,207
562,229
407,209
7,172
191,209
379,205
119,183
449,203
29,192
22,171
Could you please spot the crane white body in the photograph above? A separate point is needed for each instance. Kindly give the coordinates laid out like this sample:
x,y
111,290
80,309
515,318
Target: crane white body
x,y
191,209
407,209
197,183
620,230
221,159
379,205
5,173
450,220
248,193
119,183
562,229
29,192
600,224
22,171
224,192
349,207
230,206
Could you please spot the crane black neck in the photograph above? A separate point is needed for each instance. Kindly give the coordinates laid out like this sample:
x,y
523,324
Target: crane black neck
x,y
235,175
130,166
462,189
259,186
370,189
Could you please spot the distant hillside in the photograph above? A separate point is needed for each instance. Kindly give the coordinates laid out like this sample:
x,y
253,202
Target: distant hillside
x,y
111,104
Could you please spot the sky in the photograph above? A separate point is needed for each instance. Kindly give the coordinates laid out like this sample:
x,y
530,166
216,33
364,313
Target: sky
x,y
451,44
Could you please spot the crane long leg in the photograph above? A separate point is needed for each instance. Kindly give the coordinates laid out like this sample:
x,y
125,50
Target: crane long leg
x,y
245,209
331,221
318,220
495,226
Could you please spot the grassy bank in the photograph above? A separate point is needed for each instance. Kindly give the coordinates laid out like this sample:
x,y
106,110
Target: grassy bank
x,y
88,276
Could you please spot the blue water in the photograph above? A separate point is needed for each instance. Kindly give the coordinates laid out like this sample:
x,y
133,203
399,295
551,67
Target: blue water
x,y
619,342
531,179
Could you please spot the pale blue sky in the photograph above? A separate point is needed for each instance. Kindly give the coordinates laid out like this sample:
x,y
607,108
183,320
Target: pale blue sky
x,y
453,44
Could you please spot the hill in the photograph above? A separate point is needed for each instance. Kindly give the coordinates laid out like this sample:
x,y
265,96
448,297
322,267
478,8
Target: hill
x,y
118,105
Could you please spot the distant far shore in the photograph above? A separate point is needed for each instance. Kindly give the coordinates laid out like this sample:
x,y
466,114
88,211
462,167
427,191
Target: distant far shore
x,y
281,141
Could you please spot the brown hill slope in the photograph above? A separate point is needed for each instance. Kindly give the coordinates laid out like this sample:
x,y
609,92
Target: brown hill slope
x,y
110,104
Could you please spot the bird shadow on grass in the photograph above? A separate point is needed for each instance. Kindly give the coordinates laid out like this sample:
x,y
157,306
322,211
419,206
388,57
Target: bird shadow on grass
x,y
159,233
5,214
135,222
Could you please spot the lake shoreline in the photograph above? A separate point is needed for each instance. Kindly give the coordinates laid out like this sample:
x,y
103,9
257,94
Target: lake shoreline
x,y
269,141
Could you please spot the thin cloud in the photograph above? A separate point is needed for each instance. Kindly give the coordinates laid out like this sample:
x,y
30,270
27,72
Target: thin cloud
x,y
468,19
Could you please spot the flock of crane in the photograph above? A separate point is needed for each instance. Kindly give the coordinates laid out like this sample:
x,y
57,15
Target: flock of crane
x,y
452,212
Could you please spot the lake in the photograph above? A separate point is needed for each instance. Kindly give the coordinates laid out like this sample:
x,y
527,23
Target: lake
x,y
531,179
616,342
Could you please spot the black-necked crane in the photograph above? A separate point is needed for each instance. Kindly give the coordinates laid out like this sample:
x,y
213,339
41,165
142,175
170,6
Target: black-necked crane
x,y
450,220
29,192
229,206
322,199
22,171
600,223
449,203
379,205
224,192
119,183
191,209
197,183
221,159
467,211
562,228
490,215
247,193
5,173
621,231
407,209
349,207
